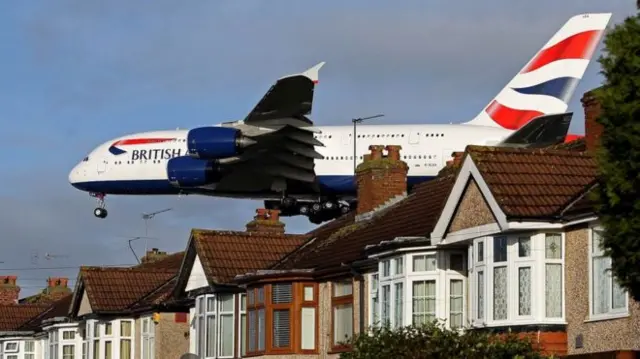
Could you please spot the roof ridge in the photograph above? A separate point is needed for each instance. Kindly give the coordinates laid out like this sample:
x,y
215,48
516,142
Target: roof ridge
x,y
199,231
537,151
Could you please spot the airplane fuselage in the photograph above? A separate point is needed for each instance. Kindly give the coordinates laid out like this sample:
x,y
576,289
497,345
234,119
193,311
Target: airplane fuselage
x,y
141,169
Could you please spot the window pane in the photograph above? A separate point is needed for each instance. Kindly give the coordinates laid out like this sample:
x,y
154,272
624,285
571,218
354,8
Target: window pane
x,y
253,326
211,336
553,246
500,293
251,296
343,323
125,349
260,296
125,328
29,346
243,335
480,295
211,304
308,294
243,302
524,247
261,329
226,302
524,291
399,265
499,249
386,304
341,289
281,293
308,324
553,290
424,263
108,354
96,349
386,268
226,335
423,301
399,296
455,303
481,251
201,336
281,328
619,295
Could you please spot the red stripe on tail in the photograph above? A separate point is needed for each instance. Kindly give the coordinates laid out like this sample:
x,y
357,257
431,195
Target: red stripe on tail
x,y
510,118
578,46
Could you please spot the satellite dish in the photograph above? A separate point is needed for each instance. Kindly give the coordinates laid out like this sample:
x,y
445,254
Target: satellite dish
x,y
189,356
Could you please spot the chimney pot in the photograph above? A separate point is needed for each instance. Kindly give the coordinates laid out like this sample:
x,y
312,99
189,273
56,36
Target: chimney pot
x,y
267,221
393,152
376,151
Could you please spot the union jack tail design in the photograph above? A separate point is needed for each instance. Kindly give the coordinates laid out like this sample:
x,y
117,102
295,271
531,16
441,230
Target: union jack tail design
x,y
547,82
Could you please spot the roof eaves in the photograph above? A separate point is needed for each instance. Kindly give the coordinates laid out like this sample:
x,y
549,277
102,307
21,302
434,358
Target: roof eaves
x,y
271,274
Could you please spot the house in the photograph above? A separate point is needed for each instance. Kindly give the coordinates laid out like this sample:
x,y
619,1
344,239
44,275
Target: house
x,y
129,313
211,261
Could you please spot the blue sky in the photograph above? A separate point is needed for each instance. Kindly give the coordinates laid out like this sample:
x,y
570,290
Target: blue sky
x,y
75,73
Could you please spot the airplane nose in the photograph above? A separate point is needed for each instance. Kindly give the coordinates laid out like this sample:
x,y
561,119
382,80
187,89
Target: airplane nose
x,y
75,176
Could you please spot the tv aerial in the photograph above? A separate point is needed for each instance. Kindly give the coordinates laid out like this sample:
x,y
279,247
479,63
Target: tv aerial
x,y
135,238
146,217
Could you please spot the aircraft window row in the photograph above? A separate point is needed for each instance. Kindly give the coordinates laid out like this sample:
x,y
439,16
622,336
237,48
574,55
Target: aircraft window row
x,y
133,162
384,135
409,157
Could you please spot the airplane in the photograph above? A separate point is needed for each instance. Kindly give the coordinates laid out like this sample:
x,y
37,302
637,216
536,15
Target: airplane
x,y
278,155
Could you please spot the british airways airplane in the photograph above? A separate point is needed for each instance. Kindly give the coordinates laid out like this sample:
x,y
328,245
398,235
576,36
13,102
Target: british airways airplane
x,y
276,154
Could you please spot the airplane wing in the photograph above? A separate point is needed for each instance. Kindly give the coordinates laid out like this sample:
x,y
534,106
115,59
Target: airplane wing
x,y
289,98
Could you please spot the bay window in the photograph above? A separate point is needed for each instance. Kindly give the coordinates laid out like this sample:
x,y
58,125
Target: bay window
x,y
68,344
508,269
607,298
30,349
215,325
271,312
342,312
53,344
102,340
11,349
374,301
147,335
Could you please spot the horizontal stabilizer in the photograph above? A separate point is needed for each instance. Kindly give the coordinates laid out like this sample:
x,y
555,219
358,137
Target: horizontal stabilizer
x,y
542,131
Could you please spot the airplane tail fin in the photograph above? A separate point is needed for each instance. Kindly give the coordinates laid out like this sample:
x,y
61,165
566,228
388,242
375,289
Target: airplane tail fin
x,y
547,82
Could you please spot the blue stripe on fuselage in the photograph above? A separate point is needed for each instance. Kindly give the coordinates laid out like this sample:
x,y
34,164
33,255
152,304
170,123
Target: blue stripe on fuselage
x,y
330,185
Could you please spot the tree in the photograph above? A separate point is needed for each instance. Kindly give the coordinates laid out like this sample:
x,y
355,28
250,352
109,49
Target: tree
x,y
618,192
434,341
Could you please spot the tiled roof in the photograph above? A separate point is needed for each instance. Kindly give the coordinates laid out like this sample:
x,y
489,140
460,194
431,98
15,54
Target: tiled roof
x,y
224,254
579,144
115,289
171,262
415,215
534,183
59,308
14,316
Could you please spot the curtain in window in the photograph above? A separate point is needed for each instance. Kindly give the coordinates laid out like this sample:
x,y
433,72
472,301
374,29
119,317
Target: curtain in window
x,y
261,327
553,290
500,293
68,351
386,304
108,354
252,331
423,301
96,349
455,303
342,322
125,349
211,336
480,295
398,313
226,324
524,291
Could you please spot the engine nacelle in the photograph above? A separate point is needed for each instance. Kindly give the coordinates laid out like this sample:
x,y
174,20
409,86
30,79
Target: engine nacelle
x,y
216,142
185,171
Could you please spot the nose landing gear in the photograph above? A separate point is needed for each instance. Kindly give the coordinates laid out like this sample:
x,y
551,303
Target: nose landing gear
x,y
100,211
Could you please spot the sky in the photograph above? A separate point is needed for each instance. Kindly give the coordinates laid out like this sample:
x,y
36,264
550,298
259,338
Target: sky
x,y
75,73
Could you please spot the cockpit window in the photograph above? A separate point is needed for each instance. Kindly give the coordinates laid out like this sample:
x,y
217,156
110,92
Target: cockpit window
x,y
85,159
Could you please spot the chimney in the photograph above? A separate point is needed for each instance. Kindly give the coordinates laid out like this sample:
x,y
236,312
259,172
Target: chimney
x,y
9,290
57,288
380,178
266,221
153,255
592,129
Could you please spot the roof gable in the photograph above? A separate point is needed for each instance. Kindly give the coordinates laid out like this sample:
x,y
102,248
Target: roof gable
x,y
197,277
473,209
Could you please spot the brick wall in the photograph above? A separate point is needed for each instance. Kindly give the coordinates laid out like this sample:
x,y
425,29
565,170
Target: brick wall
x,y
593,130
9,290
266,221
380,178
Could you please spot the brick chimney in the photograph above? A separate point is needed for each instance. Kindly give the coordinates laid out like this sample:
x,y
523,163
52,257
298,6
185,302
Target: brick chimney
x,y
9,290
57,288
266,221
153,255
380,178
592,129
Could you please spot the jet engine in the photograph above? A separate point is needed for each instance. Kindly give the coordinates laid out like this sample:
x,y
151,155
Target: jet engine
x,y
185,171
216,142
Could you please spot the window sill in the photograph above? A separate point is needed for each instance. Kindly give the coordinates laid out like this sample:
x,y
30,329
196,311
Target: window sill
x,y
339,349
604,317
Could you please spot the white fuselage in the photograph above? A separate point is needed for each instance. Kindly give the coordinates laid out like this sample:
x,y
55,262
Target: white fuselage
x,y
141,168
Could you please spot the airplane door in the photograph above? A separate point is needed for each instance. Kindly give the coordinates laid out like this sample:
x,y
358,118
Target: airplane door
x,y
102,165
414,137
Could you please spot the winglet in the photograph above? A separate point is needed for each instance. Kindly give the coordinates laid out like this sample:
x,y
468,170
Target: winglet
x,y
312,73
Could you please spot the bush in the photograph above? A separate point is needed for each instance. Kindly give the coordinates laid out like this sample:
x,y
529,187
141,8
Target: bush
x,y
434,341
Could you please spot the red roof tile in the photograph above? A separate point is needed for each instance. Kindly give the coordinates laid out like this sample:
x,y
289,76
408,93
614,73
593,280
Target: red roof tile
x,y
534,183
14,316
225,254
344,241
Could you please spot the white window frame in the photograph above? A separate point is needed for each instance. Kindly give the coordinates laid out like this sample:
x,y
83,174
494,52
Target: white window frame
x,y
612,313
6,347
54,340
62,342
147,338
203,311
374,286
115,338
242,314
536,261
32,353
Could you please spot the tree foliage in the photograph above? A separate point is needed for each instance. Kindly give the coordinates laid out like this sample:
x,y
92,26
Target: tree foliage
x,y
618,193
434,341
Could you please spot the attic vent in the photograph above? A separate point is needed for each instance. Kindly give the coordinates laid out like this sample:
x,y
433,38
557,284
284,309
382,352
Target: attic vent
x,y
281,293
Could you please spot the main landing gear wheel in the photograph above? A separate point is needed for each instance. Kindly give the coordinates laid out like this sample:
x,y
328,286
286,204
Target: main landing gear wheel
x,y
100,212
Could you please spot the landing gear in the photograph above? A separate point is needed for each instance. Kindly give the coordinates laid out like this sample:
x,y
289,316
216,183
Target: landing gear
x,y
320,211
100,211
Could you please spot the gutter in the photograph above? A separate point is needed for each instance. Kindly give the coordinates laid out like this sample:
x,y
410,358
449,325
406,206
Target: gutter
x,y
361,297
17,333
55,320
